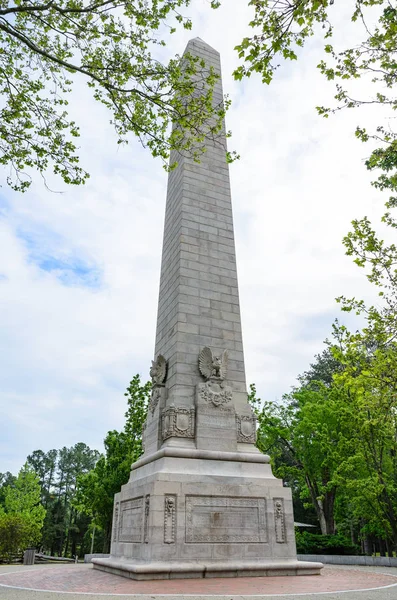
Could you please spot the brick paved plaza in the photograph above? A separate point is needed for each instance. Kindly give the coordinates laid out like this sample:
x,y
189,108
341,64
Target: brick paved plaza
x,y
32,583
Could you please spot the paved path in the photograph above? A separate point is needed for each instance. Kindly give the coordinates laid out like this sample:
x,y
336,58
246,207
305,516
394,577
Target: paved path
x,y
80,582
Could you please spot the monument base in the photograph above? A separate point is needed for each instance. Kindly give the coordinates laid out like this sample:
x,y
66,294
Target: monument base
x,y
188,513
197,570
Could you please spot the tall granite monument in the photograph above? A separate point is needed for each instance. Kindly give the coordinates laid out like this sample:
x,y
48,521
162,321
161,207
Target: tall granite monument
x,y
202,500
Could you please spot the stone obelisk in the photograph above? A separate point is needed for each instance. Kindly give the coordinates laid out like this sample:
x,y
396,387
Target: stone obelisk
x,y
202,501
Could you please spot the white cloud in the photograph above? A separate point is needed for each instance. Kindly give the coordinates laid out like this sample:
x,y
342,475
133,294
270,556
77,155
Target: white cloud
x,y
69,350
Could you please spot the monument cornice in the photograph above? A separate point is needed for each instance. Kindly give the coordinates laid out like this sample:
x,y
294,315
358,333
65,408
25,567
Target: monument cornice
x,y
248,457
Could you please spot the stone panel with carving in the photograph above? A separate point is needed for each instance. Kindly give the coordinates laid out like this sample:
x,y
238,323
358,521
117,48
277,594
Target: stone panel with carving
x,y
169,518
154,399
246,429
177,422
146,519
279,520
131,520
215,394
223,519
116,522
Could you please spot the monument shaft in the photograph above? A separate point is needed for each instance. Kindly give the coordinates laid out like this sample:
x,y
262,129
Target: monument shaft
x,y
202,501
198,300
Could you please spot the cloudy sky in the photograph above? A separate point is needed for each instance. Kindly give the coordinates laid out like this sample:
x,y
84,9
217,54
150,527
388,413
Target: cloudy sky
x,y
79,270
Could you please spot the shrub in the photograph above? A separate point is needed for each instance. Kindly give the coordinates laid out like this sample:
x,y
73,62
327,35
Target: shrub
x,y
312,543
14,535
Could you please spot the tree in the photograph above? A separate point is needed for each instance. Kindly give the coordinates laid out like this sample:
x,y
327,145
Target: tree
x,y
23,499
58,471
13,535
44,465
282,29
6,479
47,46
322,370
137,395
23,516
308,437
368,356
97,488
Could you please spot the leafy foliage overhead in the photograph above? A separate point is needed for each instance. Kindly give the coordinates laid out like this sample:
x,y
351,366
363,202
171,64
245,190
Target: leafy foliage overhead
x,y
46,47
282,27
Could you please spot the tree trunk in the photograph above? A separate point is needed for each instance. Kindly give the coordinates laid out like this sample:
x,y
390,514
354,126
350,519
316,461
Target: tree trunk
x,y
68,534
367,546
329,502
352,533
106,540
92,540
318,507
325,514
324,508
321,518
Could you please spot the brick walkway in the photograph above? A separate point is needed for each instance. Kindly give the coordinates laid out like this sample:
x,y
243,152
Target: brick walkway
x,y
82,578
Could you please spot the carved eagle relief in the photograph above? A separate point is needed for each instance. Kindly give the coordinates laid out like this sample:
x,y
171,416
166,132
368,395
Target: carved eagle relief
x,y
158,370
213,367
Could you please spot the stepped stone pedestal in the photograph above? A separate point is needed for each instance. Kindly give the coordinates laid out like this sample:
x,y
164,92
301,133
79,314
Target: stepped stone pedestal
x,y
202,501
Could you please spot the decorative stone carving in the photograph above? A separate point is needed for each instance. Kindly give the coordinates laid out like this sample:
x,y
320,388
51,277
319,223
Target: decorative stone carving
x,y
213,367
246,428
216,394
131,520
158,370
116,522
154,399
279,520
224,519
177,422
146,519
143,435
169,519
158,373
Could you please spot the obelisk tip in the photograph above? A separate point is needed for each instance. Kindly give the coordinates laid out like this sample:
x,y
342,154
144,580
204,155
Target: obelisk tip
x,y
197,41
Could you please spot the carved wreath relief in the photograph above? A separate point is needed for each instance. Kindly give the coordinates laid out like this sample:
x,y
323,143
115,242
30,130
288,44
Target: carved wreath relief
x,y
169,519
214,394
279,520
177,422
246,429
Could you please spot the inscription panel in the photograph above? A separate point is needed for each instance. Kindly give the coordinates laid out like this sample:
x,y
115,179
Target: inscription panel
x,y
131,520
224,519
215,421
